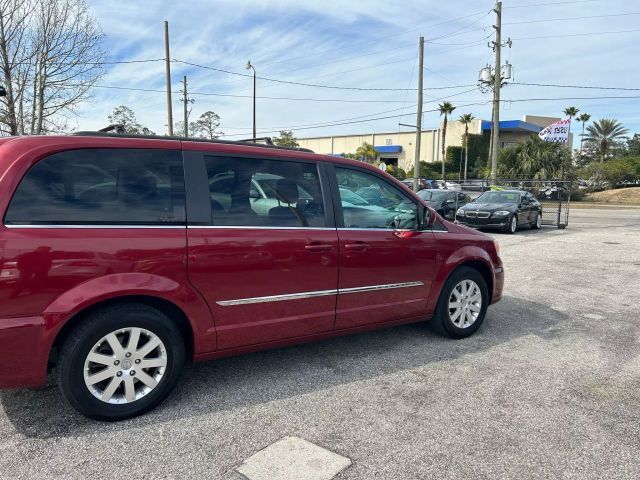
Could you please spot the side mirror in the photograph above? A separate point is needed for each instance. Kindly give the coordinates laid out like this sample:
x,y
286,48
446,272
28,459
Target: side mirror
x,y
428,217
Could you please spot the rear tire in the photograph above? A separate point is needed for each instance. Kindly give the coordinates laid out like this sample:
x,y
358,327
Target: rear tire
x,y
137,349
455,320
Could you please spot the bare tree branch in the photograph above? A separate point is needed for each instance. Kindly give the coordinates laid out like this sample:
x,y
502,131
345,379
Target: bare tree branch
x,y
50,57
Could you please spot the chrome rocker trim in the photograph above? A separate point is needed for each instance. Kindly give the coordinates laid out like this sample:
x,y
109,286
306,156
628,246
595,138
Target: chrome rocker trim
x,y
318,293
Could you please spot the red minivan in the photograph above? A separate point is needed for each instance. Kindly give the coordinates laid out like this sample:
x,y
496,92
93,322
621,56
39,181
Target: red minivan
x,y
121,258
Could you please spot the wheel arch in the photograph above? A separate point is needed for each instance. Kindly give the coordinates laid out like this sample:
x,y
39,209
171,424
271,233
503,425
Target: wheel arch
x,y
483,268
174,312
469,256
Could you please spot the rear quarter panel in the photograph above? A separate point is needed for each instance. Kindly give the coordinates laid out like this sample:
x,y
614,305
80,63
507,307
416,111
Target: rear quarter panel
x,y
53,273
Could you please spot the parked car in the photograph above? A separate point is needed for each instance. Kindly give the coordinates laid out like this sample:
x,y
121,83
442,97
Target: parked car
x,y
446,185
445,202
503,209
124,257
422,183
475,185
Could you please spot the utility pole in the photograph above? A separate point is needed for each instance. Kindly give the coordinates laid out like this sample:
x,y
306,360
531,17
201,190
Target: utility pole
x,y
185,101
495,137
167,62
416,162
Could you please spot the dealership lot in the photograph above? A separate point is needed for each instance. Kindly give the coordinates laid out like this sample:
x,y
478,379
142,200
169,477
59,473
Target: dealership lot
x,y
549,387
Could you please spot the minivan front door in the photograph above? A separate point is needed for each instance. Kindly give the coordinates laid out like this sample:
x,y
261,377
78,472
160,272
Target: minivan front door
x,y
386,264
267,274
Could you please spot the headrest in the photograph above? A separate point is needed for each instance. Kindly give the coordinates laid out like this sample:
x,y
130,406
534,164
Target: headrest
x,y
287,191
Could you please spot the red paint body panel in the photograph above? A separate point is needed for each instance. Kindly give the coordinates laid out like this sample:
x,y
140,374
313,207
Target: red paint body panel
x,y
239,263
48,275
23,354
388,257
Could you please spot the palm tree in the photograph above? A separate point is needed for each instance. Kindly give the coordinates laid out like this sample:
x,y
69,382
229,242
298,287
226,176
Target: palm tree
x,y
466,119
534,158
571,112
367,152
584,118
603,133
445,108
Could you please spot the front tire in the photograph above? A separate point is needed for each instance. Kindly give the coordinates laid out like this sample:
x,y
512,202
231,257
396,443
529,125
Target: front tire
x,y
512,226
463,303
121,362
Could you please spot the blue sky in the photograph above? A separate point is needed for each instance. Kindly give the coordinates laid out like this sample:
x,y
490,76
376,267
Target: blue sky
x,y
370,44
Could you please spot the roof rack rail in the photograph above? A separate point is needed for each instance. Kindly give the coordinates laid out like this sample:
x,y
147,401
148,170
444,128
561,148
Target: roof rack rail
x,y
116,127
266,140
109,132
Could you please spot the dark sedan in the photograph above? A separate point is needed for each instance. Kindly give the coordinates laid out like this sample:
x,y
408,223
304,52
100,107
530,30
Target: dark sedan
x,y
506,210
445,202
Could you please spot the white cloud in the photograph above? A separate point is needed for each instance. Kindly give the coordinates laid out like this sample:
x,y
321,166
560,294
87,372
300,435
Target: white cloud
x,y
358,43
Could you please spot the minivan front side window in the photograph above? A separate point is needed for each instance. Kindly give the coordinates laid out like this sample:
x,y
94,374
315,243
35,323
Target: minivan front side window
x,y
369,201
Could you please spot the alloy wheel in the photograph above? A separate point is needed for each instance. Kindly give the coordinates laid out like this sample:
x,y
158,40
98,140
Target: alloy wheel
x,y
465,303
538,221
513,226
125,365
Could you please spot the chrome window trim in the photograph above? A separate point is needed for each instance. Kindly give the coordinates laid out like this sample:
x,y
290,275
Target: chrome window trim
x,y
240,227
347,229
50,226
313,294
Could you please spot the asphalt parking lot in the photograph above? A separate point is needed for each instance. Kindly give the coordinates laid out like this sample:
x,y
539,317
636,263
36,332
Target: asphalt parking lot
x,y
548,388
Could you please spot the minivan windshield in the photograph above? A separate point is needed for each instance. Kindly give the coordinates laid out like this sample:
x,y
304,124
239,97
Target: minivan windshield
x,y
498,197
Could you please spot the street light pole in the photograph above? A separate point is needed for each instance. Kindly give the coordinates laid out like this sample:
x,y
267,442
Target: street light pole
x,y
249,66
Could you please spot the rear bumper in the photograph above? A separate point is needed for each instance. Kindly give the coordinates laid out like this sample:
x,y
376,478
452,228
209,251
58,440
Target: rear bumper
x,y
23,357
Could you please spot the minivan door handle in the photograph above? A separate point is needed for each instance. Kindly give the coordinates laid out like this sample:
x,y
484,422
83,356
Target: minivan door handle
x,y
318,247
356,246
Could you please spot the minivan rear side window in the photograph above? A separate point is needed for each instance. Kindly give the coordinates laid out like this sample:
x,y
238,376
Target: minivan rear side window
x,y
102,187
264,192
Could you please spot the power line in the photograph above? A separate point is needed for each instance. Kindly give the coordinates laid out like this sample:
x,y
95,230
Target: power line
x,y
551,3
613,97
590,87
393,35
572,18
290,127
585,34
339,123
314,85
134,89
118,62
352,122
